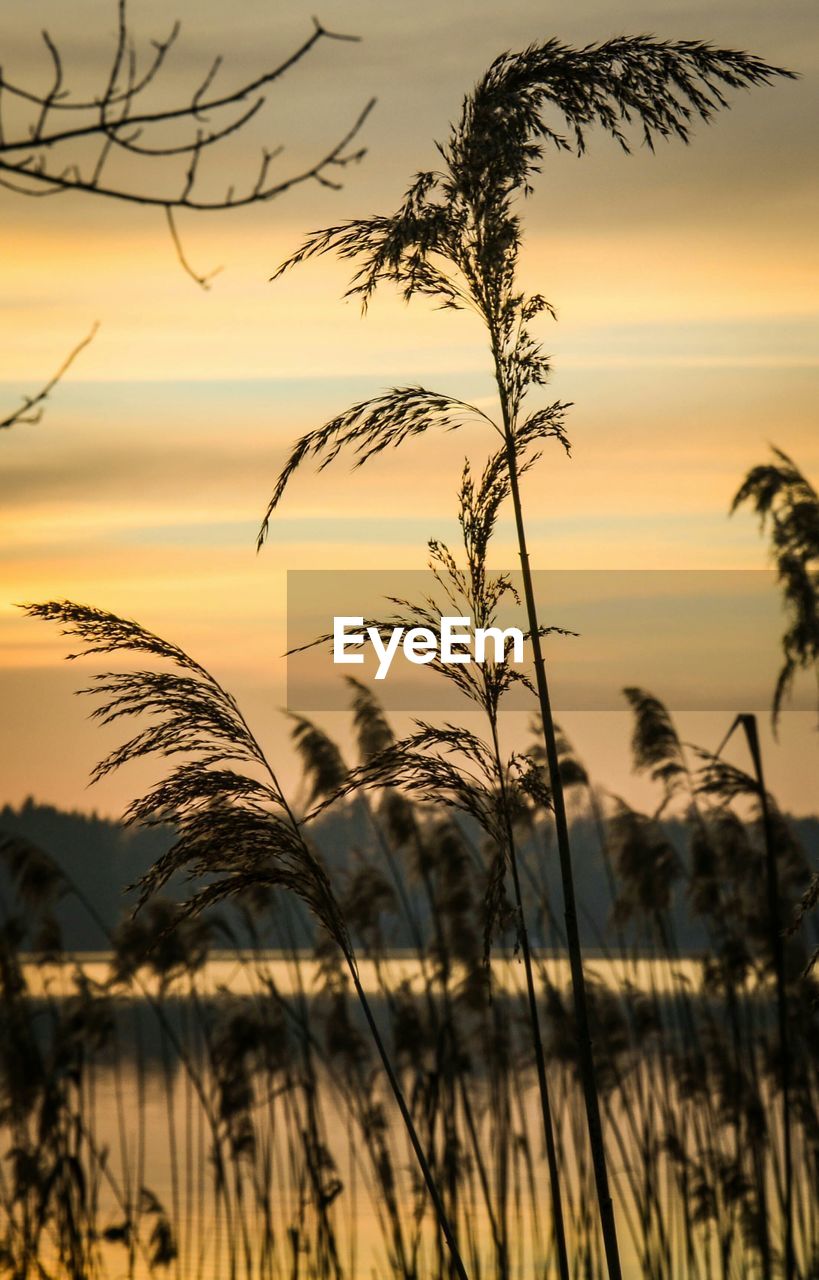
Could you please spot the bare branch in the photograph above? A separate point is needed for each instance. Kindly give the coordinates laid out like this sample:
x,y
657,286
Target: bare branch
x,y
120,120
202,281
31,410
54,91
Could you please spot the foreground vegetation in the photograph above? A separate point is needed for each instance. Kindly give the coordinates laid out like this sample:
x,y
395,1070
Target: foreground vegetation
x,y
251,1134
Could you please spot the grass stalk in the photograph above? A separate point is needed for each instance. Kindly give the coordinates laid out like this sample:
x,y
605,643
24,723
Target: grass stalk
x,y
585,1050
749,725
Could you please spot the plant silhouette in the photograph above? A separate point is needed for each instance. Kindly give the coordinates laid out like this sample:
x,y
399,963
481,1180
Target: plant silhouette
x,y
690,1067
71,142
235,829
31,410
452,766
456,239
788,508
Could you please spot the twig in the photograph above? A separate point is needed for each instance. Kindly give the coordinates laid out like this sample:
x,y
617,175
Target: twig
x,y
28,411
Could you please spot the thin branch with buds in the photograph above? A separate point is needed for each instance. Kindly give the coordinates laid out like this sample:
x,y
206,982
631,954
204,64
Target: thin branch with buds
x,y
41,155
31,410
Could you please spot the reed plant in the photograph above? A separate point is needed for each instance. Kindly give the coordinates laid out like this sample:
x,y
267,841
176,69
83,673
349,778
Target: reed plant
x,y
236,833
269,1114
456,239
788,508
699,1114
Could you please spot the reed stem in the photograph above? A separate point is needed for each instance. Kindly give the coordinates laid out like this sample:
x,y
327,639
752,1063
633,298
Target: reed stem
x,y
584,1043
749,726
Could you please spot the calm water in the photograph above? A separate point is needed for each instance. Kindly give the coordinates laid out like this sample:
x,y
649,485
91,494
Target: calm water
x,y
246,975
153,1118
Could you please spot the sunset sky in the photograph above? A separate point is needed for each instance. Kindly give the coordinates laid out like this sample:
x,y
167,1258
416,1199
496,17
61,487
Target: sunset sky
x,y
686,291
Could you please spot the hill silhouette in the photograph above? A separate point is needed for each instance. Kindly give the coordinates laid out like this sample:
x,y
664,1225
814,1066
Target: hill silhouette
x,y
101,858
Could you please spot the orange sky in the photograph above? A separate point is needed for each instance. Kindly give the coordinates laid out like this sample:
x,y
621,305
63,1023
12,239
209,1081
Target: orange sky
x,y
685,283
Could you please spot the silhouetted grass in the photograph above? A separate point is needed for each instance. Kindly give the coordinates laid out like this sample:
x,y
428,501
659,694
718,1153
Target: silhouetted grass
x,y
275,1116
456,239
